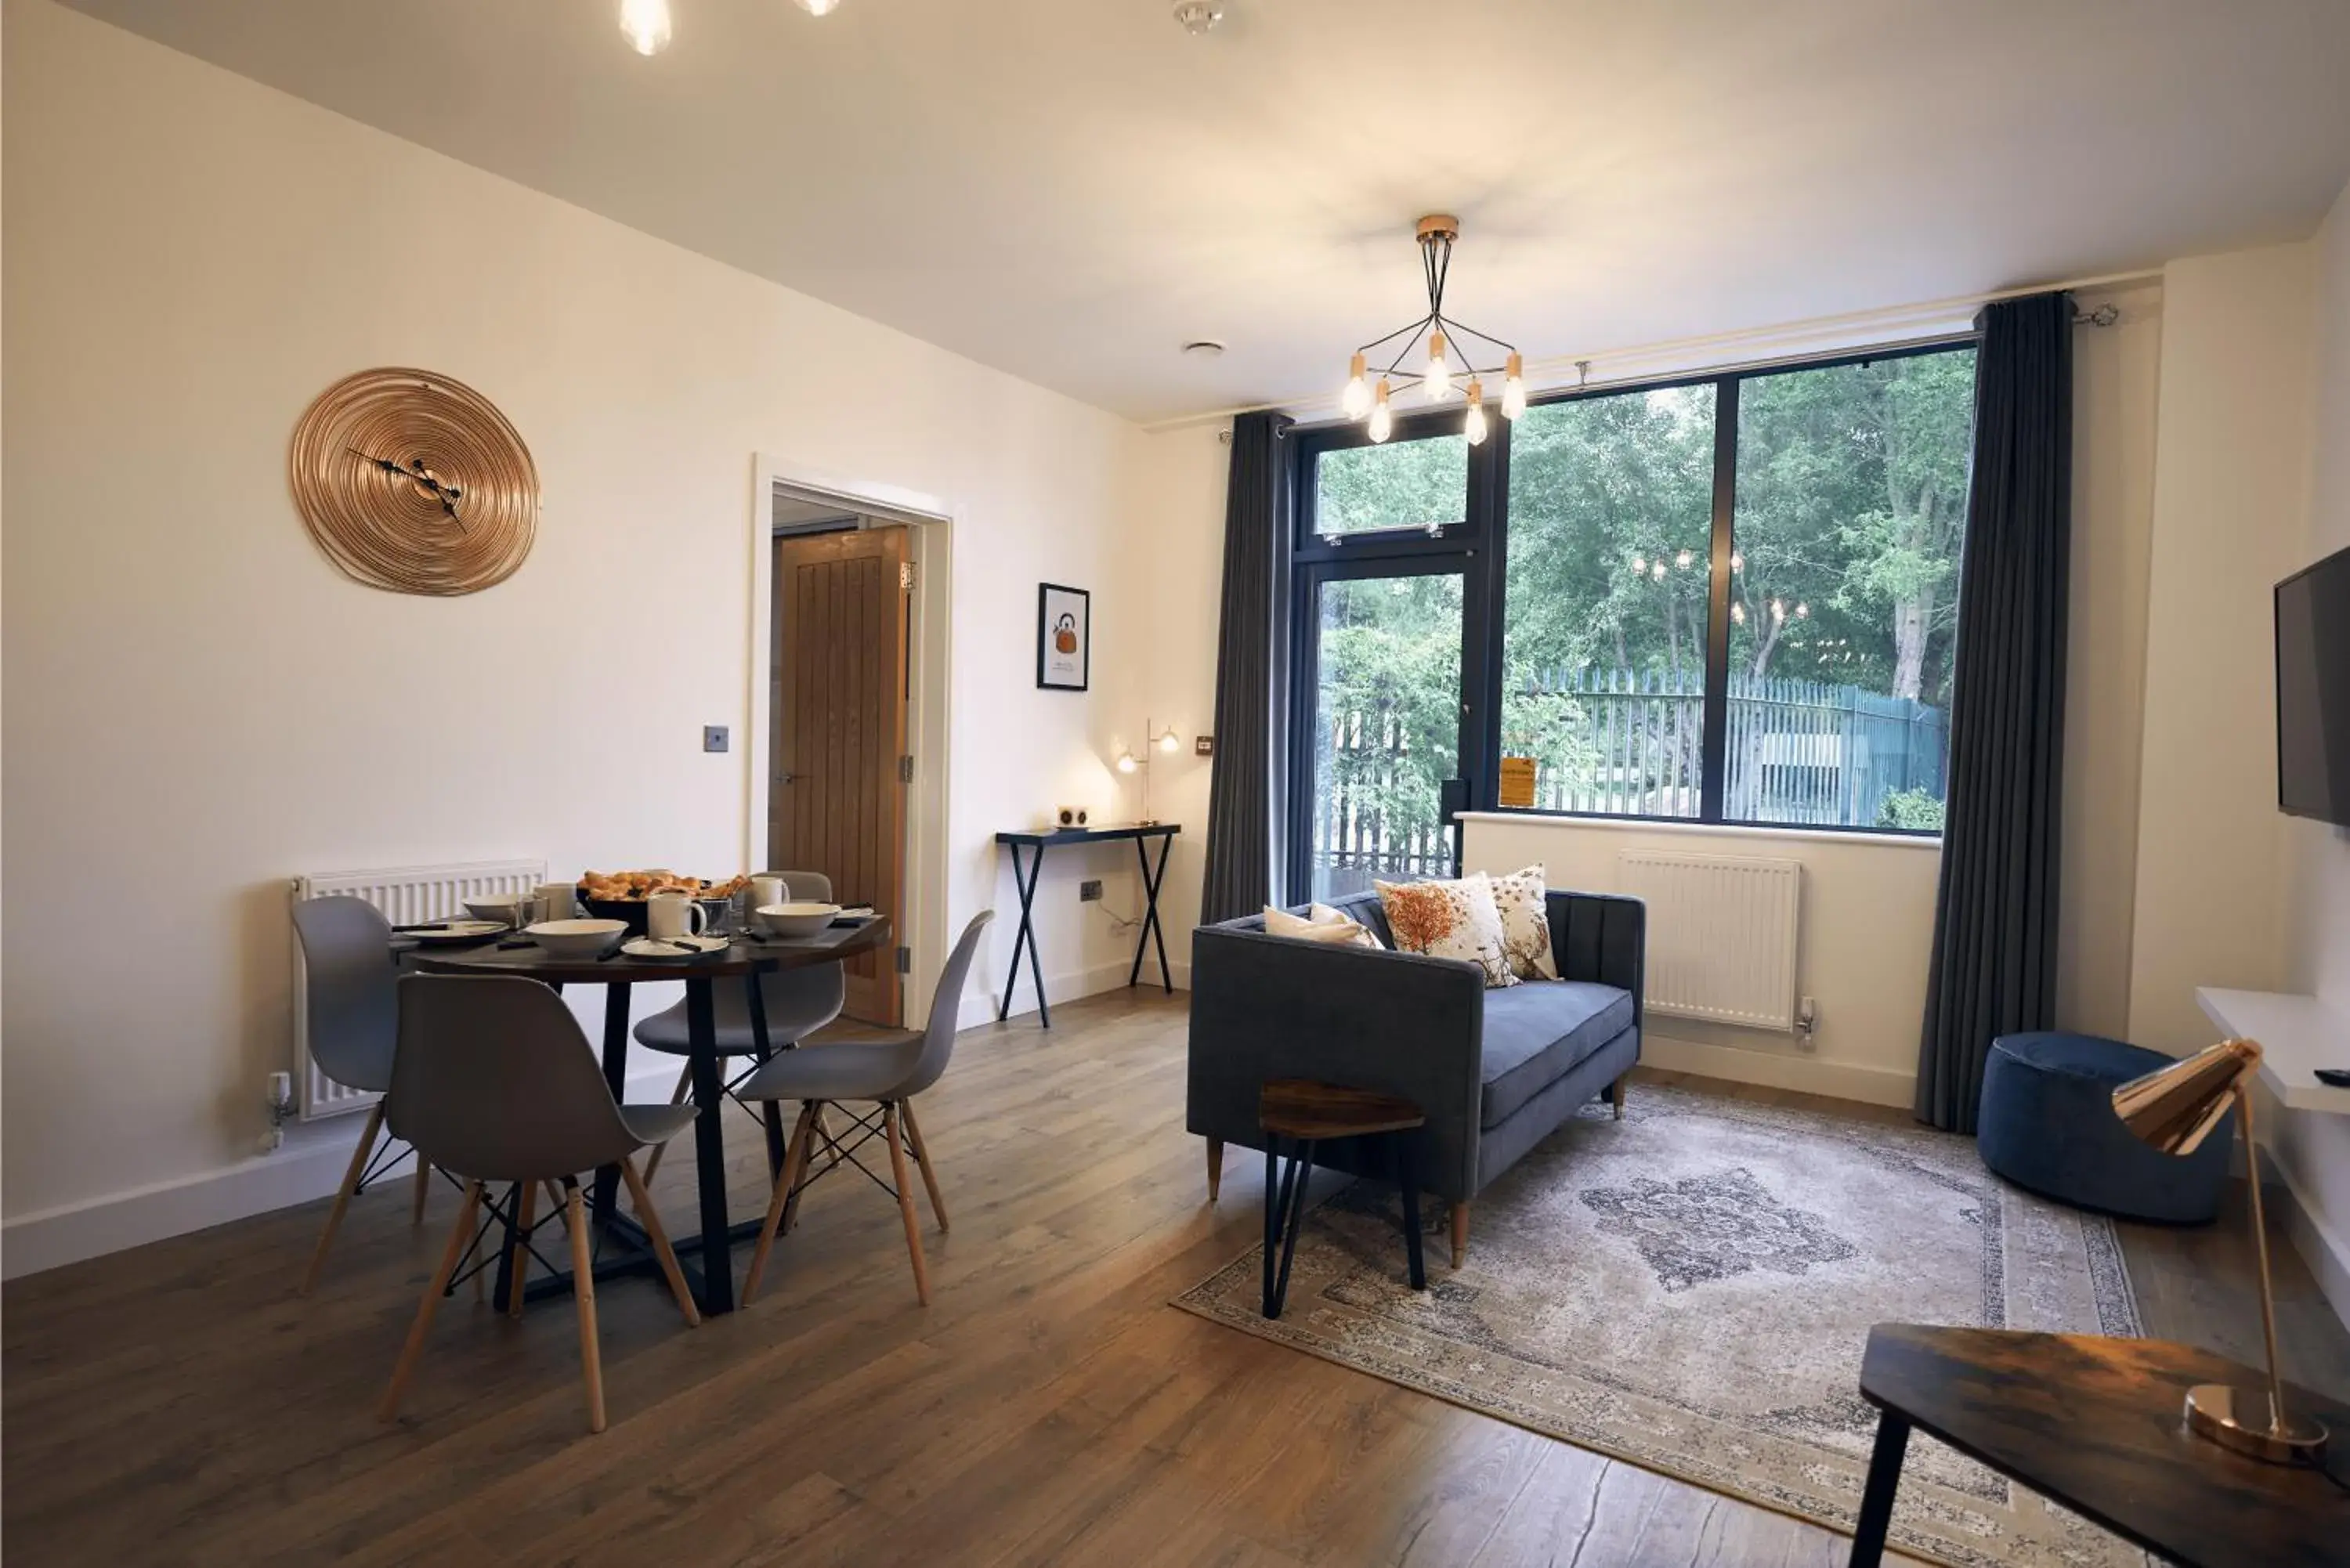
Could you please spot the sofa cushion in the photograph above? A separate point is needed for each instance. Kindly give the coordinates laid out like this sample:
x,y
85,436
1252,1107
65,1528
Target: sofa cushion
x,y
1536,1033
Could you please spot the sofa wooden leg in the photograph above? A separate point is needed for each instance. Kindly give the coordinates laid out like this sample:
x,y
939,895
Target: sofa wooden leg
x,y
1215,1168
1615,1094
1460,1233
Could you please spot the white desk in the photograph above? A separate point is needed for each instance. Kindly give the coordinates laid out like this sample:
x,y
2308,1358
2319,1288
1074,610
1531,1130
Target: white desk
x,y
2295,1034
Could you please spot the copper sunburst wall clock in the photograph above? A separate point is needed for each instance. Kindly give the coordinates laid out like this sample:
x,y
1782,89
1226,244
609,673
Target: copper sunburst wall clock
x,y
414,483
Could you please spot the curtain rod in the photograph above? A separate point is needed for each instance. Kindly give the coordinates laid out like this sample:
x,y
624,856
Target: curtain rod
x,y
1552,374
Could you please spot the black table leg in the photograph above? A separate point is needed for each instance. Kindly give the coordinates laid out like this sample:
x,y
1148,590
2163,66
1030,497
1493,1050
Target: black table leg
x,y
709,1150
1409,1189
1285,1217
772,1111
607,1193
1877,1496
1026,938
1152,929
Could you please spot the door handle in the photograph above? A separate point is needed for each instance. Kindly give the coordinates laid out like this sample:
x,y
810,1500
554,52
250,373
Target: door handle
x,y
785,778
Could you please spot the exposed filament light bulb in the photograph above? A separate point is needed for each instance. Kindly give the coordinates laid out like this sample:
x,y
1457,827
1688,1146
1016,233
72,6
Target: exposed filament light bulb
x,y
1170,742
1658,571
1474,427
1126,761
1639,566
1683,559
1439,369
1738,614
1778,610
1737,561
647,24
1356,402
1382,418
1513,387
1803,612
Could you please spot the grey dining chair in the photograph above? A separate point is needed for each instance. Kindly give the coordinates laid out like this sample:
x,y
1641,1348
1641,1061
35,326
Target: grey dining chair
x,y
887,1071
351,982
493,1082
798,1002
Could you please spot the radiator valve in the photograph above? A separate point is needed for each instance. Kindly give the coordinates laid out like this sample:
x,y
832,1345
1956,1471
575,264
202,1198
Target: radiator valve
x,y
1807,1022
281,1111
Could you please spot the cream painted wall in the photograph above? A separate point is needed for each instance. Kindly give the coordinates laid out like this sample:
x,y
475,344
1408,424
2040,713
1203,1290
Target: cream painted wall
x,y
199,707
1867,923
2231,473
2316,1150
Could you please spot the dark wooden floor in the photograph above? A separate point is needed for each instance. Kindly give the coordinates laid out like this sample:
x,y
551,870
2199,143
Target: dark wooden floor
x,y
178,1404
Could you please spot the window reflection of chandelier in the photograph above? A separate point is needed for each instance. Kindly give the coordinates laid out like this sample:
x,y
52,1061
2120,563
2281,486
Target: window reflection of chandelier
x,y
1430,343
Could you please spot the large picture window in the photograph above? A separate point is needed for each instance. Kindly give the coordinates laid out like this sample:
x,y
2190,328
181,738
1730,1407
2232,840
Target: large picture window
x,y
1732,599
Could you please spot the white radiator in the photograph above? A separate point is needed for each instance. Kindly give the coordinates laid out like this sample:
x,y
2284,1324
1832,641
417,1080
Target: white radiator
x,y
1722,934
408,897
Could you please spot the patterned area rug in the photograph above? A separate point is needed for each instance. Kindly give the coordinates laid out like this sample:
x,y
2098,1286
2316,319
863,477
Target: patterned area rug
x,y
1689,1289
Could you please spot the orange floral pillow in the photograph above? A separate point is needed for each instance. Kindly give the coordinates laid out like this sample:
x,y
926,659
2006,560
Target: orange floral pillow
x,y
1449,920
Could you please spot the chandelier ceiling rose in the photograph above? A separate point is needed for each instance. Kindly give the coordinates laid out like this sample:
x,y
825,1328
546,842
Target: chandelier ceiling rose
x,y
1435,337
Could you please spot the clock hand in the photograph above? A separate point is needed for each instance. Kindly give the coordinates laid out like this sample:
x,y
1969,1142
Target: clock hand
x,y
447,495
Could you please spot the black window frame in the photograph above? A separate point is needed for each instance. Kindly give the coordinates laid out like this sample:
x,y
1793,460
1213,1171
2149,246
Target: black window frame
x,y
1479,544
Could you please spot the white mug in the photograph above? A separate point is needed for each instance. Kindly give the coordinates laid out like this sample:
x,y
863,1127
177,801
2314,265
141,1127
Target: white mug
x,y
767,890
556,901
669,916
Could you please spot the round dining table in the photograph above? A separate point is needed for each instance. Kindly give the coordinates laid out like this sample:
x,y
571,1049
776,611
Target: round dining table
x,y
621,1246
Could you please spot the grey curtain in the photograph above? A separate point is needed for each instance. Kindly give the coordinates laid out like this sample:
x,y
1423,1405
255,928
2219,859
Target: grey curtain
x,y
1241,799
1994,959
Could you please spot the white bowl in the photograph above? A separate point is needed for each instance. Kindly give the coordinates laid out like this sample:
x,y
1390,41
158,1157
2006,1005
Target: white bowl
x,y
575,939
794,920
505,906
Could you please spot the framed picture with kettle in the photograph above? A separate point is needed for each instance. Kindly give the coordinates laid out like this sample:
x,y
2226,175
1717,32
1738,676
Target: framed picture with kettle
x,y
1064,638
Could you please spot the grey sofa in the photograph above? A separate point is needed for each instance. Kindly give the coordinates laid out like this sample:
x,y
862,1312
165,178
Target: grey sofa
x,y
1495,1071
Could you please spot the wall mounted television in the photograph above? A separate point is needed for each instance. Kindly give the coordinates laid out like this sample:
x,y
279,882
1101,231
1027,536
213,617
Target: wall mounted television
x,y
2313,679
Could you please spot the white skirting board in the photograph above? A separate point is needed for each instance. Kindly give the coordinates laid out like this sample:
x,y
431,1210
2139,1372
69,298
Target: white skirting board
x,y
1781,1070
309,1166
984,994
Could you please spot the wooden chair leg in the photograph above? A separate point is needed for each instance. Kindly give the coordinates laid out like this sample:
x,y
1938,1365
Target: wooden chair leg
x,y
794,1158
1215,1168
518,1262
1615,1094
922,1159
650,1218
906,1203
583,1289
676,1097
1460,1233
461,1235
343,1196
423,1190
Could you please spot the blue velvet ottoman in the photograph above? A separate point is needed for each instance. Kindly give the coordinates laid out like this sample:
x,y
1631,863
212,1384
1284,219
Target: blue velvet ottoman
x,y
2046,1122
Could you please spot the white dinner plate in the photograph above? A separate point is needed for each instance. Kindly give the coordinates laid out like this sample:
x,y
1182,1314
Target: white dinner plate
x,y
449,931
677,949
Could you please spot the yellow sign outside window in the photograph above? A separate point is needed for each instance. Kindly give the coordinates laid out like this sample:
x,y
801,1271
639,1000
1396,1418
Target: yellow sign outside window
x,y
1517,782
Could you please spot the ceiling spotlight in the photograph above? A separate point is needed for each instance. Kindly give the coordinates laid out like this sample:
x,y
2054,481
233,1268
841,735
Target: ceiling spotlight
x,y
1205,347
1198,17
818,7
646,23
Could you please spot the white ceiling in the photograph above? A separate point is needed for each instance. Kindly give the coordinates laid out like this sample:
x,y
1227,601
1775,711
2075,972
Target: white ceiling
x,y
1071,189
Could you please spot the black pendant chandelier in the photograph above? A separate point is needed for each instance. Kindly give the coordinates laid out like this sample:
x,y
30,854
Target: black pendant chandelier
x,y
1430,343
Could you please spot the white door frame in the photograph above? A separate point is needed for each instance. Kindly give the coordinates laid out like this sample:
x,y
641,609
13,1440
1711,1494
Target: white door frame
x,y
932,524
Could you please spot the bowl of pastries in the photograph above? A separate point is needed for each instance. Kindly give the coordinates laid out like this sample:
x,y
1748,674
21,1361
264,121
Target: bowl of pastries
x,y
621,894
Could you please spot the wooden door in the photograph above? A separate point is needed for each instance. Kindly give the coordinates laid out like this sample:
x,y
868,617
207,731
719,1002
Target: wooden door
x,y
837,793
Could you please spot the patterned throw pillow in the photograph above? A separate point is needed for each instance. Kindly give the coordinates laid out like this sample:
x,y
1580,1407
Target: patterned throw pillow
x,y
1449,920
1525,923
1320,923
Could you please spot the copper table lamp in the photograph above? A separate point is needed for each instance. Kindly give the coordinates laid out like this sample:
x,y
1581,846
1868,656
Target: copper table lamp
x,y
2174,1110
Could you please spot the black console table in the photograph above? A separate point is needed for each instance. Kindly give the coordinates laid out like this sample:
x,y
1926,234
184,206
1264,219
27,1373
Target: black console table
x,y
1035,843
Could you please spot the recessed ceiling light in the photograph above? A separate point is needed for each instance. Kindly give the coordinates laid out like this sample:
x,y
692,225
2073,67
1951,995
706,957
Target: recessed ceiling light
x,y
818,7
1198,17
1205,347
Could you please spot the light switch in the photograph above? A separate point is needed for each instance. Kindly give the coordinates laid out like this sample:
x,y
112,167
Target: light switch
x,y
713,737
